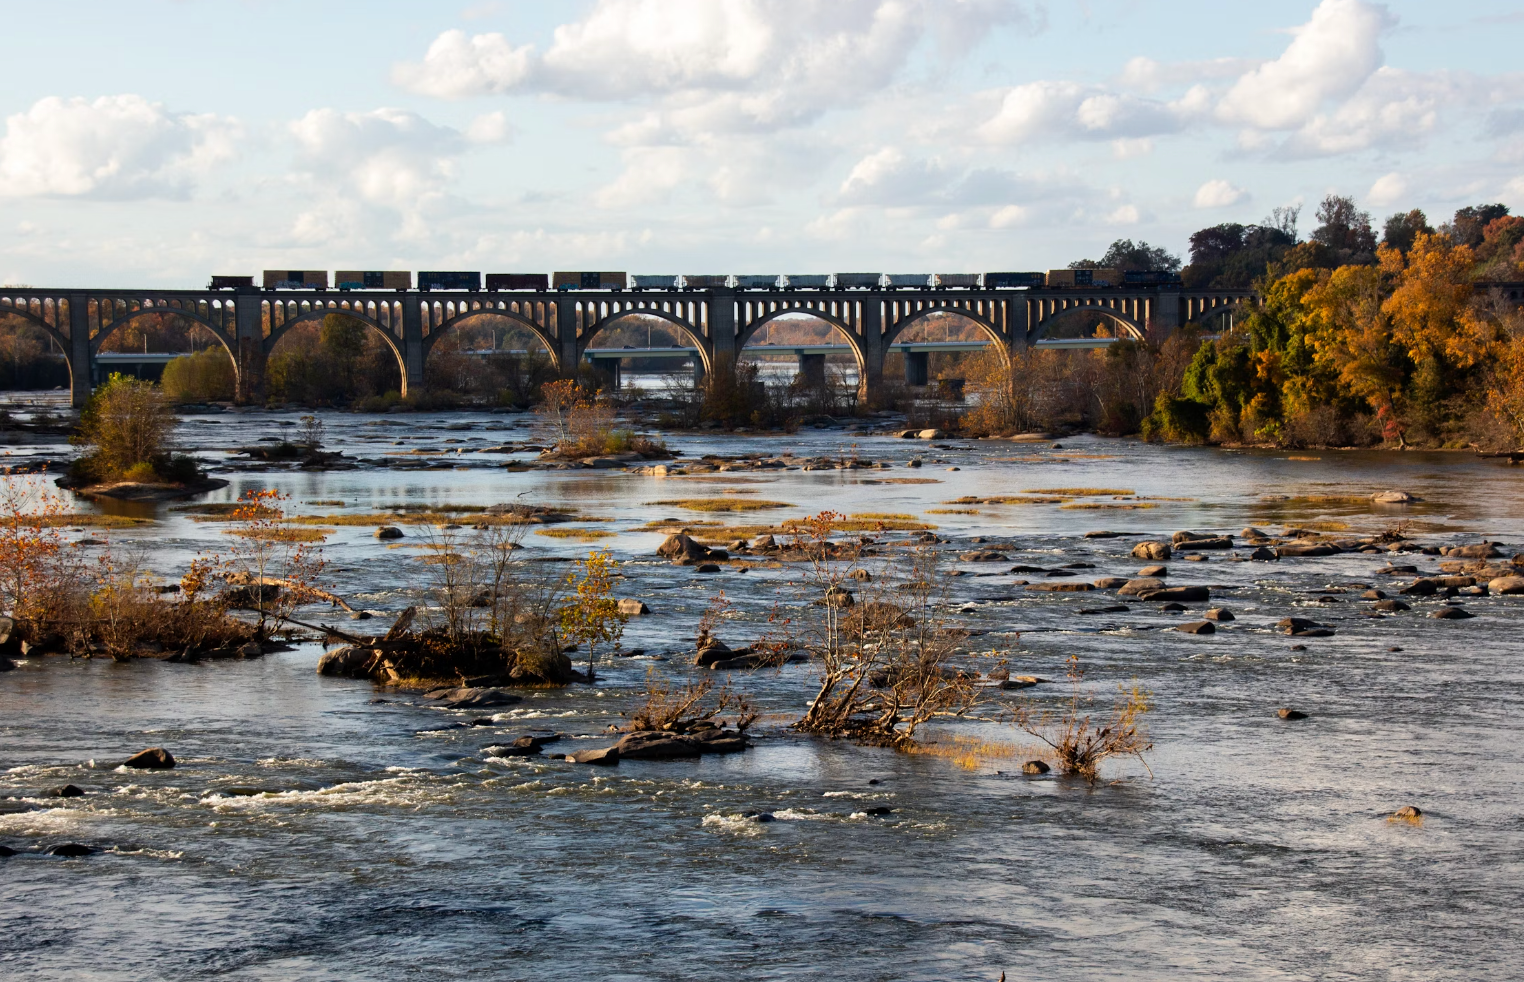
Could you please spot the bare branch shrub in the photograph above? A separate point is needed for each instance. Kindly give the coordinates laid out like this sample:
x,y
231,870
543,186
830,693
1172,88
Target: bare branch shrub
x,y
1080,744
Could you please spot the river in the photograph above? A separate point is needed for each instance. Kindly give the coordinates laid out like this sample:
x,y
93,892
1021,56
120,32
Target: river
x,y
384,845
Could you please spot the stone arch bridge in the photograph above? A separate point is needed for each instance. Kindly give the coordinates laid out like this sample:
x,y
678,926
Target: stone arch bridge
x,y
717,324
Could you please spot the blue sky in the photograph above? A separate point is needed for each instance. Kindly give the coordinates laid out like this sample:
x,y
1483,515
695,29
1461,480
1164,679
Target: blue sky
x,y
155,142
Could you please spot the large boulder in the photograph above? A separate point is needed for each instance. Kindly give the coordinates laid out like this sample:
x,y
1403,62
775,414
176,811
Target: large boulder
x,y
473,698
655,745
152,759
1198,540
1197,627
1481,550
600,757
1265,554
1421,587
1141,585
1153,551
1301,627
1306,548
1452,614
1159,571
682,548
1072,587
633,608
350,661
1185,594
1219,614
388,532
1507,586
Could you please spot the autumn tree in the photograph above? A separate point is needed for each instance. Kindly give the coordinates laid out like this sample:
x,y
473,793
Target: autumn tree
x,y
591,615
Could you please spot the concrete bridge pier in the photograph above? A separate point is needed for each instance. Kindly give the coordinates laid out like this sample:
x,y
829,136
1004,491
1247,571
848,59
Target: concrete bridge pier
x,y
870,383
812,373
917,368
79,350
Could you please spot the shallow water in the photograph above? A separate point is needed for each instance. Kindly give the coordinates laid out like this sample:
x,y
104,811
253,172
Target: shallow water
x,y
382,846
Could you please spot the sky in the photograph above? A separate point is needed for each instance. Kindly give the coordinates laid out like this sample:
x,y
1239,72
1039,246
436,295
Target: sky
x,y
155,142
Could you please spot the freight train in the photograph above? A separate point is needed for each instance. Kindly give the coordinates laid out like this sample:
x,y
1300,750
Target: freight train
x,y
473,282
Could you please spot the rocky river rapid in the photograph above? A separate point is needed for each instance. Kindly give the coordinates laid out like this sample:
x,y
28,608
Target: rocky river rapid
x,y
325,828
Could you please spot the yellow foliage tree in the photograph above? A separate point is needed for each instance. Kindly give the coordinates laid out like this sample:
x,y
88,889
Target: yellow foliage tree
x,y
591,615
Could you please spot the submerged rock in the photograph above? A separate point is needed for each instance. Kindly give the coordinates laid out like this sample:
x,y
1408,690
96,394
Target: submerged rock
x,y
1301,627
1391,606
65,791
601,757
473,698
1185,594
1290,714
70,850
1452,614
152,759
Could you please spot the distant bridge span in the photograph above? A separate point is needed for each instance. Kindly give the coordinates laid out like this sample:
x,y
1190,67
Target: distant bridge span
x,y
714,324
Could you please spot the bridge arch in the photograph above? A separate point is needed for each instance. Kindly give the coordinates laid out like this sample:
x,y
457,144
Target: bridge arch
x,y
1218,318
316,314
1090,312
990,331
117,323
11,310
687,330
811,311
514,318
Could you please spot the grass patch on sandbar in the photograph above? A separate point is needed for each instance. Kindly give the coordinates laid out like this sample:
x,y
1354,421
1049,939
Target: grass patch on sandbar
x,y
581,535
1080,492
723,504
282,534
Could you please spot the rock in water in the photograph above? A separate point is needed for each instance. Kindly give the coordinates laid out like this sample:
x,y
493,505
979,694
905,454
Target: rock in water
x,y
1220,614
474,698
1290,714
1153,551
1264,554
70,850
1141,585
1034,767
1184,594
1393,498
633,608
351,661
1507,586
388,532
6,851
1391,606
1408,813
66,791
1157,572
654,745
1452,614
152,759
601,757
1197,627
6,665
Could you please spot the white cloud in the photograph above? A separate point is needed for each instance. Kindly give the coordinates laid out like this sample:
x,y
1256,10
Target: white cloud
x,y
1330,57
489,128
1147,75
1010,216
1219,194
1126,148
1125,215
120,147
1392,108
387,157
650,174
1389,189
456,66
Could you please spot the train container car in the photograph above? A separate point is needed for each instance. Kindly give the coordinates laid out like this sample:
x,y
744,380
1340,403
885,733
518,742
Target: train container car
x,y
859,281
517,281
296,279
705,281
956,281
230,282
1014,281
590,281
806,281
355,279
649,282
758,281
1084,277
449,280
907,281
1139,277
1061,277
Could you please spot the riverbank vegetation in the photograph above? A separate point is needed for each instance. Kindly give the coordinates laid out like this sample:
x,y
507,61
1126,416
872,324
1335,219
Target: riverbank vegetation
x,y
126,429
1398,340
